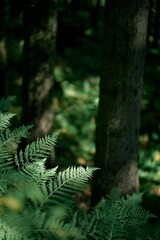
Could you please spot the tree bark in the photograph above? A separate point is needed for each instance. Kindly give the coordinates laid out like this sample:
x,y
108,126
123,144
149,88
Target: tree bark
x,y
3,52
40,23
95,11
156,33
118,120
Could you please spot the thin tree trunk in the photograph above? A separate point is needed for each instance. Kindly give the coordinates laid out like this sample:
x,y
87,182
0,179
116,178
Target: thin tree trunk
x,y
95,11
3,52
40,23
120,96
156,33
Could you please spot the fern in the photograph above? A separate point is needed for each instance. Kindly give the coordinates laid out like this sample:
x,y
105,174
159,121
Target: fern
x,y
38,203
36,151
67,183
28,191
8,233
118,219
5,120
9,141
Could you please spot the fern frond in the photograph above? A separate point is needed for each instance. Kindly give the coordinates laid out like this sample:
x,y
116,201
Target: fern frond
x,y
67,184
36,151
9,179
132,207
6,160
37,172
10,233
121,219
17,133
9,141
15,226
36,203
5,120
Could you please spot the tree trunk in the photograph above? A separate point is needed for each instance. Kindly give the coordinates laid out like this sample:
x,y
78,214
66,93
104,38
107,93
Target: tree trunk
x,y
95,11
156,33
120,96
3,52
40,23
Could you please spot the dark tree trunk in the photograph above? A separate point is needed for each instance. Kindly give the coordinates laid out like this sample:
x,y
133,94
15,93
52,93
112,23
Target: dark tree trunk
x,y
3,52
3,65
95,11
156,33
40,23
154,23
120,95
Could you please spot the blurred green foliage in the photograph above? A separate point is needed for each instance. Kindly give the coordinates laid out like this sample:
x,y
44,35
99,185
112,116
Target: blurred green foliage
x,y
149,152
75,115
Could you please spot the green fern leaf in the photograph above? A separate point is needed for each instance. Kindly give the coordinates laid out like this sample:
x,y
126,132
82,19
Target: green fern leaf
x,y
67,184
9,141
37,172
36,151
5,120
